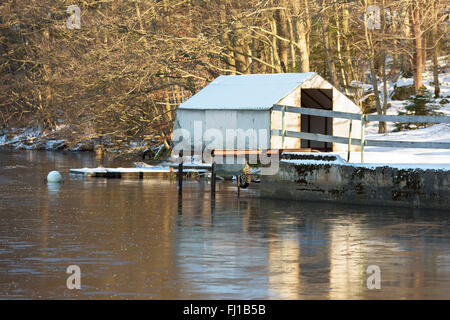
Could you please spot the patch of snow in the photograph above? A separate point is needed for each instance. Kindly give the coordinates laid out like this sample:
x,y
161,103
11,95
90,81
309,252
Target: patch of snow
x,y
52,144
435,133
372,166
439,158
155,169
403,82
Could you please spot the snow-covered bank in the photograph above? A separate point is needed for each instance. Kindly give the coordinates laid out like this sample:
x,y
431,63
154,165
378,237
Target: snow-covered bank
x,y
31,139
36,139
399,105
435,133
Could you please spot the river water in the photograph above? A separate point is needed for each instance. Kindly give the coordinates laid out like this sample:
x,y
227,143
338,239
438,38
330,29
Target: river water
x,y
135,239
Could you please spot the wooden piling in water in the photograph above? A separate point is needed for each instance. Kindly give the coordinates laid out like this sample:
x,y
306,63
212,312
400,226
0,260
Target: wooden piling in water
x,y
213,180
238,186
180,174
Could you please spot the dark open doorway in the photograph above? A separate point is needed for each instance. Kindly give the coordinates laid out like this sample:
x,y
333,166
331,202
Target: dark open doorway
x,y
319,99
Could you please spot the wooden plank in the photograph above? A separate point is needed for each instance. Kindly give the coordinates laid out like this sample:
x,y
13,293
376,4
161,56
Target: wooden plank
x,y
227,152
371,143
298,150
131,172
408,144
406,119
318,112
317,137
190,165
355,116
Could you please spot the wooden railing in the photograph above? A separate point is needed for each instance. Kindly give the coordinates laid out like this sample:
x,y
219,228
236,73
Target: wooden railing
x,y
363,118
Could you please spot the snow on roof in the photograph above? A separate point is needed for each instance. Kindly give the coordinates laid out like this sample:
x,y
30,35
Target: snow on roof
x,y
246,92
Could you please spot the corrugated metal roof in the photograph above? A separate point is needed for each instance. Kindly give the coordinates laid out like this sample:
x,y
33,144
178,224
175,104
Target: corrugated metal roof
x,y
246,92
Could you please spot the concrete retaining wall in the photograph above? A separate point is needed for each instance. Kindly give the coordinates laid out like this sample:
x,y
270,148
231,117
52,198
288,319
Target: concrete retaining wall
x,y
329,178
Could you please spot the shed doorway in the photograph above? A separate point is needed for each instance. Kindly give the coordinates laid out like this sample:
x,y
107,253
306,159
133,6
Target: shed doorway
x,y
318,99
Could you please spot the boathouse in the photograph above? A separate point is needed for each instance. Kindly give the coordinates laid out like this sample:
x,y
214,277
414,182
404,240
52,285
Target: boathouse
x,y
246,102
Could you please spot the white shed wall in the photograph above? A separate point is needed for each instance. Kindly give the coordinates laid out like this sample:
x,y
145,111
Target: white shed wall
x,y
340,103
292,122
205,125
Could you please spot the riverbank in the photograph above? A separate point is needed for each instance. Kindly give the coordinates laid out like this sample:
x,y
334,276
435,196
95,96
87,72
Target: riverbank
x,y
34,138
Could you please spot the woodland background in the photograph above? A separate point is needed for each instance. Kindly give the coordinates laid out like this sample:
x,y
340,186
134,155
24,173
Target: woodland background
x,y
124,72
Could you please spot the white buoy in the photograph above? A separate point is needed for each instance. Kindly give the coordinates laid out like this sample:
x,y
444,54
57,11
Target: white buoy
x,y
54,176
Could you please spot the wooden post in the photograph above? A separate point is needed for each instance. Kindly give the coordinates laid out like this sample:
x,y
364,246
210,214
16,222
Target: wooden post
x,y
180,173
213,180
363,120
349,141
180,204
309,129
238,185
283,129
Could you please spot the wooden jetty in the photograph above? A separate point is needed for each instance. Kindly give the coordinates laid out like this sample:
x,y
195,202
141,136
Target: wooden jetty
x,y
188,169
136,173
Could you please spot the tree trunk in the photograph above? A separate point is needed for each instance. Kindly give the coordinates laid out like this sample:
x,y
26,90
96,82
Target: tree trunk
x,y
339,54
382,125
326,45
418,66
373,74
275,58
394,23
300,33
282,31
435,42
348,67
405,60
293,64
240,49
376,92
226,41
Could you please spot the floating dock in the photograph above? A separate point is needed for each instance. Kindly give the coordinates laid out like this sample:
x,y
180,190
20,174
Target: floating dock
x,y
140,172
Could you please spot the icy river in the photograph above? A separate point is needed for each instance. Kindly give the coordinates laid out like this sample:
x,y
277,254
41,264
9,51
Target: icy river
x,y
135,239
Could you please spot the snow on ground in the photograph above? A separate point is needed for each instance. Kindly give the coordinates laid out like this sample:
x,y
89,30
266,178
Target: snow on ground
x,y
435,133
30,138
371,165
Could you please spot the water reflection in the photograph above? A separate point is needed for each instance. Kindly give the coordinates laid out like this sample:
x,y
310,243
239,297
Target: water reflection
x,y
139,239
53,188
